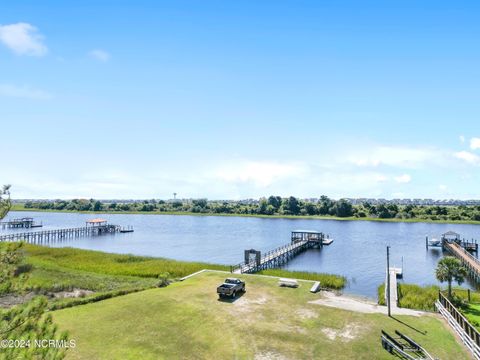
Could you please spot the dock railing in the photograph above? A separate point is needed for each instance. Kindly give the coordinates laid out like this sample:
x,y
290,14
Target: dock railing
x,y
466,331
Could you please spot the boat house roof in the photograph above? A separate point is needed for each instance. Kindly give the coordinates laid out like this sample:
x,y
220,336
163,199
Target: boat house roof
x,y
306,231
96,221
451,233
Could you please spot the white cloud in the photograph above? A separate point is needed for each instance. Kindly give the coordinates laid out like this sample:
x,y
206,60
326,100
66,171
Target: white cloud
x,y
25,91
475,143
23,39
462,138
394,156
403,179
100,55
442,187
468,157
261,174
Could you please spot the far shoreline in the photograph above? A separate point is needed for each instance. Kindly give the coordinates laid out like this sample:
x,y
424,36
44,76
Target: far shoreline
x,y
17,207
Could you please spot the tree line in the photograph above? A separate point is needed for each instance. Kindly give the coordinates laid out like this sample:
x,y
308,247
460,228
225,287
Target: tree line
x,y
273,205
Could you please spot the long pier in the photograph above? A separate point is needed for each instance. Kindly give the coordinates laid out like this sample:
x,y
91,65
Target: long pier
x,y
52,235
468,260
93,227
301,240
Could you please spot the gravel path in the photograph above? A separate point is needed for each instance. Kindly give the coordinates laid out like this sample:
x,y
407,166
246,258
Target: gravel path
x,y
349,303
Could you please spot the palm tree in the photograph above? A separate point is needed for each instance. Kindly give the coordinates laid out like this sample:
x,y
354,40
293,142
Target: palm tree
x,y
449,269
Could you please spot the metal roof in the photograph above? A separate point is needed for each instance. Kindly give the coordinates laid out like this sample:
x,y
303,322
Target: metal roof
x,y
96,221
307,231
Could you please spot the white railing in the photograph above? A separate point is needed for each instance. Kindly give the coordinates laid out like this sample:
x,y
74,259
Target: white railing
x,y
466,339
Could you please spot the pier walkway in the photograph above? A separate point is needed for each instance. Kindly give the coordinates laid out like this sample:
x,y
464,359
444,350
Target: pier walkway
x,y
271,259
393,273
468,260
301,240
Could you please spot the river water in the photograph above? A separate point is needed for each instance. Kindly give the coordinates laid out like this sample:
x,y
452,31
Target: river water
x,y
358,252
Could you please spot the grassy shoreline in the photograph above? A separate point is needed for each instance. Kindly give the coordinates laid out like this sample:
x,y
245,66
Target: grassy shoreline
x,y
20,207
186,320
104,275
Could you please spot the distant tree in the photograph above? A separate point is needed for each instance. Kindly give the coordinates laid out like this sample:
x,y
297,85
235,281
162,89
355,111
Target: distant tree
x,y
275,202
5,201
291,206
343,208
97,206
448,270
262,206
201,203
325,205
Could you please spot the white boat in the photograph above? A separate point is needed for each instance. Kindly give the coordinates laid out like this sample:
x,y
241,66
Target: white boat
x,y
434,242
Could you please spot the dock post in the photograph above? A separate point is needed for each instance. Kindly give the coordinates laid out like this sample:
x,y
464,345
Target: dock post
x,y
388,281
426,242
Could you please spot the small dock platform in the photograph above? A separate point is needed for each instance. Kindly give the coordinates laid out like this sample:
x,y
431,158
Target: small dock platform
x,y
301,240
26,222
452,237
392,275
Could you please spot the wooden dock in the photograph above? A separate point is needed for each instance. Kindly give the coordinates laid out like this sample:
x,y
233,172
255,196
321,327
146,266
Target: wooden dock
x,y
94,227
26,222
468,260
301,240
393,273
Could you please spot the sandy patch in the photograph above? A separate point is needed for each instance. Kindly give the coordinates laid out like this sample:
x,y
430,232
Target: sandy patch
x,y
9,300
75,293
349,303
349,332
248,304
306,314
269,355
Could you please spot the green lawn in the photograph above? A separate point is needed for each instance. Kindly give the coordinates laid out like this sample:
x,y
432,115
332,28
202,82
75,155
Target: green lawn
x,y
186,320
472,313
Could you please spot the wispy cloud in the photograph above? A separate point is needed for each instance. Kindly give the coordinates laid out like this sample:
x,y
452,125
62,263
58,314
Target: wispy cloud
x,y
475,143
468,157
23,39
25,91
405,157
261,174
403,179
100,55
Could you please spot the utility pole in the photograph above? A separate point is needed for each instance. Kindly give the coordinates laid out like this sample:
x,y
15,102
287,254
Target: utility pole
x,y
388,280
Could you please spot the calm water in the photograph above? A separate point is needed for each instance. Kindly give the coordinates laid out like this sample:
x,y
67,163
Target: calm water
x,y
358,251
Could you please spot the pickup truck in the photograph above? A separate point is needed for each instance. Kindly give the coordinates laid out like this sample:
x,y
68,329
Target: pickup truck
x,y
231,287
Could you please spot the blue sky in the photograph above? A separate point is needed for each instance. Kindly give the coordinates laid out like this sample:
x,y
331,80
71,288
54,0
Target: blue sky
x,y
223,99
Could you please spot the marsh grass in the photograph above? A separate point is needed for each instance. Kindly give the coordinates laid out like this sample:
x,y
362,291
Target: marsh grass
x,y
114,264
330,281
418,297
